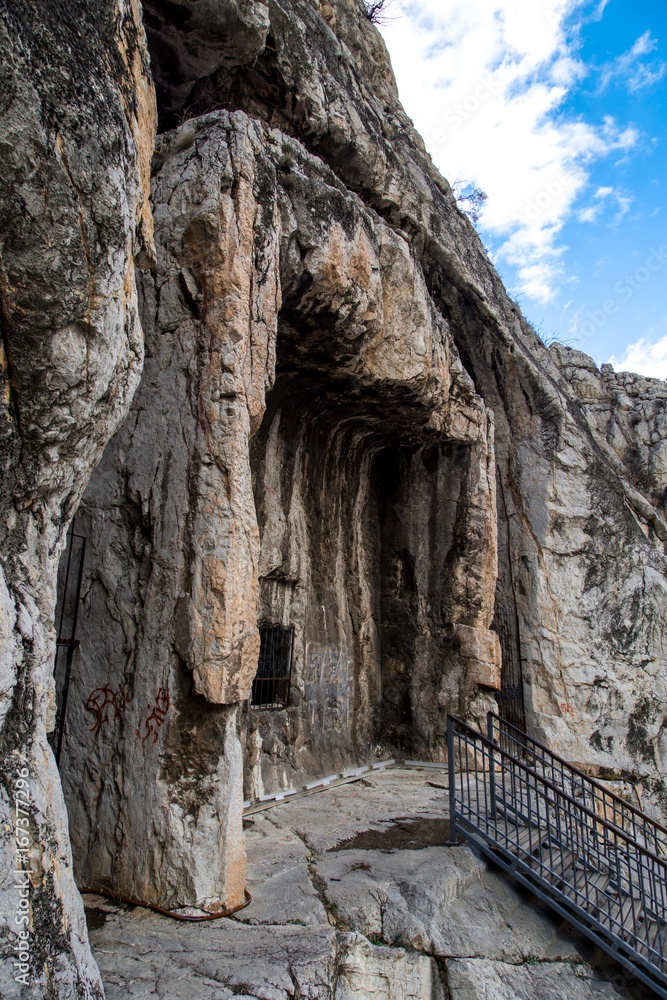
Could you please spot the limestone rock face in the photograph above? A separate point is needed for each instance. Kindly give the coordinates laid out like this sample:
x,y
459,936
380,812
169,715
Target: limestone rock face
x,y
77,124
194,41
378,973
344,427
477,979
581,541
580,533
281,311
629,414
602,544
351,900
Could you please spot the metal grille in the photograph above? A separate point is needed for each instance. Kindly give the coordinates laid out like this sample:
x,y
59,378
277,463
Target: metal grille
x,y
67,613
510,696
270,688
592,857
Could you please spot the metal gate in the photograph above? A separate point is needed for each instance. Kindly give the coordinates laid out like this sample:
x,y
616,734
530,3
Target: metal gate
x,y
271,686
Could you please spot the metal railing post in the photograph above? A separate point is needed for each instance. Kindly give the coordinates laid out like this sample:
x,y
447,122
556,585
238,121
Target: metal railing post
x,y
452,780
492,764
70,643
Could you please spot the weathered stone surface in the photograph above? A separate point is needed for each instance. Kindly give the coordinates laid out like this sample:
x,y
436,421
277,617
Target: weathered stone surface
x,y
278,877
77,125
594,662
492,939
194,40
376,973
476,979
262,254
144,955
590,611
441,900
333,817
337,383
627,413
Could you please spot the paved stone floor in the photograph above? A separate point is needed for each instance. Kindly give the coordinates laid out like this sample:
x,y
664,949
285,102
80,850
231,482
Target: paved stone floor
x,y
354,897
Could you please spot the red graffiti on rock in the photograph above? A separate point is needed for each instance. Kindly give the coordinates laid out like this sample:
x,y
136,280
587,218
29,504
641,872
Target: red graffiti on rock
x,y
156,716
103,698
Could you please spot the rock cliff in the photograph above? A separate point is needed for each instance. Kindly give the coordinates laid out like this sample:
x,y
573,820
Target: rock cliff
x,y
627,413
580,533
78,120
280,305
344,425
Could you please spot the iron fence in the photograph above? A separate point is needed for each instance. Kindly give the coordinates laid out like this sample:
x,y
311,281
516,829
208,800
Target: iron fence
x,y
554,829
591,793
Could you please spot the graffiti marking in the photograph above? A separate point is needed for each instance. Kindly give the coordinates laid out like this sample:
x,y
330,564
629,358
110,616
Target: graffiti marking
x,y
156,715
100,699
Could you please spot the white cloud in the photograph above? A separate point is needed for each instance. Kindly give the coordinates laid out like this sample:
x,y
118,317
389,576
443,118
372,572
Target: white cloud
x,y
630,70
485,81
644,357
567,71
599,11
624,202
592,212
538,280
589,214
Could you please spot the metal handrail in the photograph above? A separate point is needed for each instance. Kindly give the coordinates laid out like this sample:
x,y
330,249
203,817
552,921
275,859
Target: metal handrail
x,y
588,869
603,801
616,830
580,774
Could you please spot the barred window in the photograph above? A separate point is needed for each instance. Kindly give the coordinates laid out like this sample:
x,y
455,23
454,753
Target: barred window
x,y
270,688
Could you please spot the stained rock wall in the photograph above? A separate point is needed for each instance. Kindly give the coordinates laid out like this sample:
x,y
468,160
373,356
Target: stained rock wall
x,y
581,550
617,689
371,456
628,413
77,114
580,533
345,424
582,558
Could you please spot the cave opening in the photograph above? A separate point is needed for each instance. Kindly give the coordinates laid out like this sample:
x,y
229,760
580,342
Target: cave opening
x,y
360,524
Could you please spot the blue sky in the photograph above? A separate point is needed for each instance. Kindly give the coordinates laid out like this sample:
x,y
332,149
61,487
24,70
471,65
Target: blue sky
x,y
557,110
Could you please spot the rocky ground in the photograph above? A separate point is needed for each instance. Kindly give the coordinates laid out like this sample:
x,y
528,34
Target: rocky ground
x,y
354,896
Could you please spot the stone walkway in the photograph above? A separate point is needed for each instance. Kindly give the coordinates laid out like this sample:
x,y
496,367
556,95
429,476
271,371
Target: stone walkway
x,y
353,897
